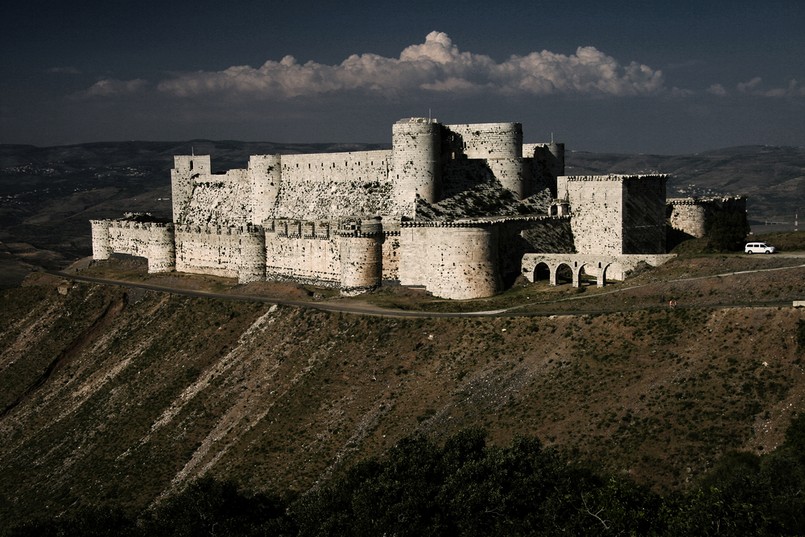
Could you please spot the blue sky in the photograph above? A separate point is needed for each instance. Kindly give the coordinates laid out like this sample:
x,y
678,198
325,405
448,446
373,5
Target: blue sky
x,y
628,76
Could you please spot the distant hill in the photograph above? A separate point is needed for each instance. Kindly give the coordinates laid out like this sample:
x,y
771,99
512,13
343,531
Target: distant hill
x,y
49,193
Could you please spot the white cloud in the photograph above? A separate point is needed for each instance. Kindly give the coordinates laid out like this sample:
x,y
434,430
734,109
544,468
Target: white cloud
x,y
756,87
437,65
110,87
718,90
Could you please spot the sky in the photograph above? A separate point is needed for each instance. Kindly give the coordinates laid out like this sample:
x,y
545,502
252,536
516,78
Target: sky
x,y
646,76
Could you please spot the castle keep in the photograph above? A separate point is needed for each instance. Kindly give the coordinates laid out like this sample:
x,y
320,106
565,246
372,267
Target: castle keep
x,y
456,209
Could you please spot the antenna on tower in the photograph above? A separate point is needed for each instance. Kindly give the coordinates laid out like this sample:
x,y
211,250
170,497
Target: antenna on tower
x,y
429,116
551,136
192,151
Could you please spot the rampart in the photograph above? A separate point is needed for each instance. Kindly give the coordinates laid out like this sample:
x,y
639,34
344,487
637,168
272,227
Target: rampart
x,y
151,240
693,216
231,251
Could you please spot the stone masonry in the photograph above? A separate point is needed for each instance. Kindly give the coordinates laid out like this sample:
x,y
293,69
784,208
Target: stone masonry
x,y
451,208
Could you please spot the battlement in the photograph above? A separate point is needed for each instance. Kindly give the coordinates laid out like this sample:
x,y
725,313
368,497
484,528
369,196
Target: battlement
x,y
133,224
612,177
706,200
246,229
308,229
477,222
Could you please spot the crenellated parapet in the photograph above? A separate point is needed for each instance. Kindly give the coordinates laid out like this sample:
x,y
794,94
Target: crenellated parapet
x,y
360,227
292,228
477,222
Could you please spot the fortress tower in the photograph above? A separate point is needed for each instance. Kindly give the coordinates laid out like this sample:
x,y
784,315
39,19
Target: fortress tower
x,y
549,163
501,146
264,173
185,169
361,255
416,161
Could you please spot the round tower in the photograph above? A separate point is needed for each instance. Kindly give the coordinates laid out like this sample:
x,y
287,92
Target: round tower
x,y
416,162
100,239
361,255
251,263
161,248
557,162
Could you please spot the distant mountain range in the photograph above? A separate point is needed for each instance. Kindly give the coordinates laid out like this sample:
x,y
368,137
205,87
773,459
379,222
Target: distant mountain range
x,y
48,194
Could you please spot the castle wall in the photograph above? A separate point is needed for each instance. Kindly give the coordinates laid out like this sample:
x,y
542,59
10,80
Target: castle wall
x,y
220,251
548,163
690,217
335,185
305,252
220,199
144,239
490,140
451,261
348,167
390,251
361,255
616,214
100,239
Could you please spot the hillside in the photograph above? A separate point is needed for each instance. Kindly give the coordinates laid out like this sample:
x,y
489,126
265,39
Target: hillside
x,y
116,396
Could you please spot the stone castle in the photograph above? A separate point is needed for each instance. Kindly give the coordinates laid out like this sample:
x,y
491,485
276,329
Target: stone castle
x,y
458,210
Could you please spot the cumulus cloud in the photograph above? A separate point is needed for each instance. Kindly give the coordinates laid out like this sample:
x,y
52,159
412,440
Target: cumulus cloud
x,y
437,65
111,87
756,87
717,89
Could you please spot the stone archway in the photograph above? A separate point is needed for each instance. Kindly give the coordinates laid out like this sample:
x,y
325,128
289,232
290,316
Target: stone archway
x,y
588,274
563,273
602,271
542,272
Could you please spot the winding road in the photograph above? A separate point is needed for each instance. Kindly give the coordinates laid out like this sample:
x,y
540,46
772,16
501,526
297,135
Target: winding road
x,y
361,308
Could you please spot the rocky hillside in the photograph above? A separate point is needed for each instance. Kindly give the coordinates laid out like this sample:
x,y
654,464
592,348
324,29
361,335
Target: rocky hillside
x,y
115,396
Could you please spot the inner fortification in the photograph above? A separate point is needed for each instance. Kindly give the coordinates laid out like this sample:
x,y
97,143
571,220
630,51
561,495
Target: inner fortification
x,y
451,208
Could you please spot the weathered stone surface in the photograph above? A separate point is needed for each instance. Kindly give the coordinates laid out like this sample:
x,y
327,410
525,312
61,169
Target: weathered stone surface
x,y
452,208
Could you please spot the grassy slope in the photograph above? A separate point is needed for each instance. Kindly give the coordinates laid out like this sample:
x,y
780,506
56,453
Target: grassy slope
x,y
119,397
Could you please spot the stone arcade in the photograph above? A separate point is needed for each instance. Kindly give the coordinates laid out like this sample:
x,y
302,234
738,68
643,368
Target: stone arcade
x,y
457,209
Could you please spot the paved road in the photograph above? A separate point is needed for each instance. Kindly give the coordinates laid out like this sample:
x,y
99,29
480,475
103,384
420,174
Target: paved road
x,y
377,311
